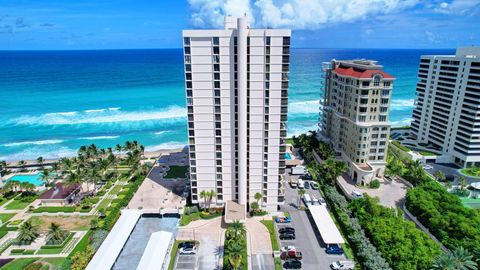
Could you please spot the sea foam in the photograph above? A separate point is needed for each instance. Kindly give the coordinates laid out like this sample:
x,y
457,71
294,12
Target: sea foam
x,y
103,116
42,142
304,107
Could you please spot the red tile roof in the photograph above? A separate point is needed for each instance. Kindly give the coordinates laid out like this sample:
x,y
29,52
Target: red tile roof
x,y
361,74
59,192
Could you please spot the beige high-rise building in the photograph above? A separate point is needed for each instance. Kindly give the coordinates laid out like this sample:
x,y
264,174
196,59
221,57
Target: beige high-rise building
x,y
237,96
355,115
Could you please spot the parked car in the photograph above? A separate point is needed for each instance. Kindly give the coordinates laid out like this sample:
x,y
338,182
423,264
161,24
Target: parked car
x,y
292,265
291,255
314,185
342,265
188,250
334,249
186,244
427,167
306,185
307,177
357,194
286,230
287,236
315,200
283,220
300,183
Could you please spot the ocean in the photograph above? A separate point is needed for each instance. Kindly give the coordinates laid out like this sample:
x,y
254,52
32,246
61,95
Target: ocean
x,y
53,102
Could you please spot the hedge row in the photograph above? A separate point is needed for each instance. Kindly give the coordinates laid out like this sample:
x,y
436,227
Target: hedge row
x,y
65,241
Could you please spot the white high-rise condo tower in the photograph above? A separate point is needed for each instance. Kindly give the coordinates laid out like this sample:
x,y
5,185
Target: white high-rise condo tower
x,y
237,96
355,115
447,112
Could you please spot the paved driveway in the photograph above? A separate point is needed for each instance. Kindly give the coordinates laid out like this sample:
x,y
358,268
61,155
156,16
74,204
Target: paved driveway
x,y
308,239
210,234
451,169
260,245
185,262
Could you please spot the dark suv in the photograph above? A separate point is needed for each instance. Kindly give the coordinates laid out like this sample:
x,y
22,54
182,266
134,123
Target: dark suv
x,y
286,230
292,265
287,236
186,245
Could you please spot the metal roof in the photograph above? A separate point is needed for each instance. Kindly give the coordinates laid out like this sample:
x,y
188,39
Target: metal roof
x,y
157,253
108,252
326,226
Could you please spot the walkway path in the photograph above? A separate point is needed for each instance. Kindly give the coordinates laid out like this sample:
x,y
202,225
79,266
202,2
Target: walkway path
x,y
260,250
211,235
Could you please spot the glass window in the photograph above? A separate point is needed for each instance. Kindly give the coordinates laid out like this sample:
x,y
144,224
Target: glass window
x,y
186,41
216,40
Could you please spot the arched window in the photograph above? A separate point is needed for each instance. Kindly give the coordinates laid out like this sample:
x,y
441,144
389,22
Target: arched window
x,y
376,79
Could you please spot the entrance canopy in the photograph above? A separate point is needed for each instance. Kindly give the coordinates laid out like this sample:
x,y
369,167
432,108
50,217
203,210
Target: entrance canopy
x,y
326,226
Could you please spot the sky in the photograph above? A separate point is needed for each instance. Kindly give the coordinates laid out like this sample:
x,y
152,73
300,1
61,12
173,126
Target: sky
x,y
131,24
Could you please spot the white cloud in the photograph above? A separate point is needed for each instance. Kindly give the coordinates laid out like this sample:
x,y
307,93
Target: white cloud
x,y
458,7
297,14
210,13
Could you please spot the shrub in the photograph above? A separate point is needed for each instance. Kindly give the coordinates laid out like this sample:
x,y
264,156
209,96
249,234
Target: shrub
x,y
445,216
97,238
33,266
401,243
17,251
375,184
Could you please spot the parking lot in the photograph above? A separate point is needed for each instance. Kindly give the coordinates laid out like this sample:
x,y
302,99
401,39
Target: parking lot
x,y
308,239
186,261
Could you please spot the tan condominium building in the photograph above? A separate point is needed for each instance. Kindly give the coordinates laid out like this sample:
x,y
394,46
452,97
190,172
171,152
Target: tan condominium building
x,y
355,115
237,96
447,112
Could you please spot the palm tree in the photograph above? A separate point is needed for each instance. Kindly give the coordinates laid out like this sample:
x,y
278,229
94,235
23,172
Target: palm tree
x,y
234,252
416,170
45,176
22,164
258,196
27,233
40,161
204,196
3,166
211,194
462,182
301,192
440,176
74,177
458,259
55,232
235,230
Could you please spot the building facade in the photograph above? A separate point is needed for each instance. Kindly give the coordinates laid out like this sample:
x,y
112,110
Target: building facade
x,y
236,83
447,107
355,115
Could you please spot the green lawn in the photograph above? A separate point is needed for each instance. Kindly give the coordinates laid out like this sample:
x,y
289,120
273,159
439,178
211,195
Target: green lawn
x,y
6,217
16,205
470,202
271,230
55,209
177,172
289,141
50,251
471,171
55,262
427,153
18,264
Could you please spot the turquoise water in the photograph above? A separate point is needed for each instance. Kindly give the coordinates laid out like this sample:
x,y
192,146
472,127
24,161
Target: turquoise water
x,y
28,178
53,102
288,156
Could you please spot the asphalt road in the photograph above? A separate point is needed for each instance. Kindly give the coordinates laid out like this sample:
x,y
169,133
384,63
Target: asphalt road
x,y
308,239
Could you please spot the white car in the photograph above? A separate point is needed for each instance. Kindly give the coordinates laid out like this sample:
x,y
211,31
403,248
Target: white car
x,y
188,250
357,194
427,167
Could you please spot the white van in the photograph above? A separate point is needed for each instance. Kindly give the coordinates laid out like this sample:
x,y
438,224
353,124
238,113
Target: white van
x,y
300,184
306,199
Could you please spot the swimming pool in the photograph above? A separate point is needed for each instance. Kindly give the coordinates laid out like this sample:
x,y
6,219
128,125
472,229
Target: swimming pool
x,y
35,179
288,156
